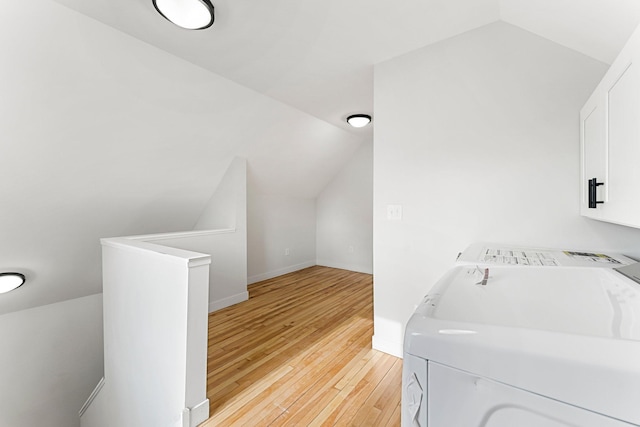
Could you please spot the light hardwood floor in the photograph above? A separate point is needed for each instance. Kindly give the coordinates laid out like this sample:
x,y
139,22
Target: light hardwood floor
x,y
298,353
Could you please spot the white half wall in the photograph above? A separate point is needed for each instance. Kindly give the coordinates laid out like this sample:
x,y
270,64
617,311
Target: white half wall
x,y
51,359
477,139
344,216
228,269
155,337
221,231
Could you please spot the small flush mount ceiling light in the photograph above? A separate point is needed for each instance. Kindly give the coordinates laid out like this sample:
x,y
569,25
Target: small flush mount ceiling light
x,y
359,120
188,14
10,281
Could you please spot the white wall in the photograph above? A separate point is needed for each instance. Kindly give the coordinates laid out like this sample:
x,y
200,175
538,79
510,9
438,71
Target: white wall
x,y
227,208
477,138
344,216
276,223
51,358
155,337
228,205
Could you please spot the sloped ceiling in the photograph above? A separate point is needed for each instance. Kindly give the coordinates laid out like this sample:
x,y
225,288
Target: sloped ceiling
x,y
106,133
318,56
595,28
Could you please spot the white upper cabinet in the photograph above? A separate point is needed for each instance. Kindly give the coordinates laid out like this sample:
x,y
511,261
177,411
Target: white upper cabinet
x,y
593,151
610,142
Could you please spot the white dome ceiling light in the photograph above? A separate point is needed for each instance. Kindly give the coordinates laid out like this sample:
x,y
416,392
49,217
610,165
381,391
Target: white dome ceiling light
x,y
188,14
359,120
10,281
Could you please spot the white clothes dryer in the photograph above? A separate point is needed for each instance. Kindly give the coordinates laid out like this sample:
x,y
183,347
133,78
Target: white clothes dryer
x,y
531,347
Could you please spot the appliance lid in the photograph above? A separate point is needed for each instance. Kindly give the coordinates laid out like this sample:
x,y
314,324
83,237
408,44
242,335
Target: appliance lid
x,y
594,302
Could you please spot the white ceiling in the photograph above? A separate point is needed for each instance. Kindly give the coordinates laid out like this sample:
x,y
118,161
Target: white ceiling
x,y
596,28
318,56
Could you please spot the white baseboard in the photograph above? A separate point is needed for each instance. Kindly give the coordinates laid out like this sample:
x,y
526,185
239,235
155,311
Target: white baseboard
x,y
91,397
191,417
392,348
226,302
279,272
345,266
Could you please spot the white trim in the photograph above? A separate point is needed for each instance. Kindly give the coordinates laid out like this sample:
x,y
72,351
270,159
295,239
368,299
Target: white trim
x,y
180,234
186,417
193,259
228,301
279,272
191,417
142,242
345,266
200,413
392,348
197,262
91,398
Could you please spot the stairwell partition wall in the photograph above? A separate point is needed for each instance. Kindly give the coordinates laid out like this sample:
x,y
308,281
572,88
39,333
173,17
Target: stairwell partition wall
x,y
155,337
228,269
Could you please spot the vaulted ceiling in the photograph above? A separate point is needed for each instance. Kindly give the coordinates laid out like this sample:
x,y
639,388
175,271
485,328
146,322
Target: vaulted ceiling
x,y
107,132
318,56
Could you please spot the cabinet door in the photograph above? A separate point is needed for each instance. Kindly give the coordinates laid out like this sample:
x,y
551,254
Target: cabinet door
x,y
622,189
593,151
610,141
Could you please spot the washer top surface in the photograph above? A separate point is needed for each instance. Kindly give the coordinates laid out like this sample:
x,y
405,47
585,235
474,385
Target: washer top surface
x,y
597,302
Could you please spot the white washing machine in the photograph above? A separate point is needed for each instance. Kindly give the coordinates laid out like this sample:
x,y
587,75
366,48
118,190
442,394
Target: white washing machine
x,y
525,347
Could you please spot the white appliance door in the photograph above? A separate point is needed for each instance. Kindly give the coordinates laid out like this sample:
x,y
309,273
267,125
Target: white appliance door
x,y
457,398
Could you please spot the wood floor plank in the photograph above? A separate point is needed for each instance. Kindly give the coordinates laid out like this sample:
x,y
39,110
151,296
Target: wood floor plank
x,y
298,353
375,411
353,396
395,417
309,405
320,394
308,370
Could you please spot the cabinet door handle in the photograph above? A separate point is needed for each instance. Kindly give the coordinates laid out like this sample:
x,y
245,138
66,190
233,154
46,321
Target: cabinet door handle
x,y
593,184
